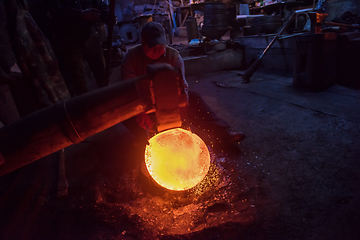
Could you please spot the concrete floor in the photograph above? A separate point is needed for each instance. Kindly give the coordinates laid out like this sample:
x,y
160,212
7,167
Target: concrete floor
x,y
302,151
296,176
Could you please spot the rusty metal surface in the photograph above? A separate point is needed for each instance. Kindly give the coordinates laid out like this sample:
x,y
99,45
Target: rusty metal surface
x,y
56,127
166,97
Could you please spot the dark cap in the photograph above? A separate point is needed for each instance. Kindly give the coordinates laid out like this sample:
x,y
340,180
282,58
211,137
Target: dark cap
x,y
153,33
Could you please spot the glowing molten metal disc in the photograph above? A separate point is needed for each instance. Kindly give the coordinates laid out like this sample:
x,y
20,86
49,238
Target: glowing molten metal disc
x,y
177,159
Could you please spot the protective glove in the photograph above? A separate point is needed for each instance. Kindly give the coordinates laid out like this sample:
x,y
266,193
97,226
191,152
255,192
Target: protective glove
x,y
145,121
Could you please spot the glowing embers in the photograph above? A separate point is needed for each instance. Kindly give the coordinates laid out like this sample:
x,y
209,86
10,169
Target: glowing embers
x,y
177,159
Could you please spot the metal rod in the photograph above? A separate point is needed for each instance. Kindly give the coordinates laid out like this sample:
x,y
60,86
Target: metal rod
x,y
248,73
62,186
284,27
110,39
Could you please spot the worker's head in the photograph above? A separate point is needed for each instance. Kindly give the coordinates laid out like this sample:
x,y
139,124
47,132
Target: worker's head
x,y
153,40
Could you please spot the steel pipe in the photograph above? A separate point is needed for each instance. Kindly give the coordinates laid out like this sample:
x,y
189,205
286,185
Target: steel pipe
x,y
65,123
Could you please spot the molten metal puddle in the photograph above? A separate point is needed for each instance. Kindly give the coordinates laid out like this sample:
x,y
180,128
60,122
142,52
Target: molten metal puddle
x,y
222,197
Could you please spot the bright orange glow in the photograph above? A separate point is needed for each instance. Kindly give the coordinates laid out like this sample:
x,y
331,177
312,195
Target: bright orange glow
x,y
177,159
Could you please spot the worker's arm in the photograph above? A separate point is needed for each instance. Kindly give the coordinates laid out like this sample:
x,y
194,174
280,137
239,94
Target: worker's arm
x,y
184,86
128,67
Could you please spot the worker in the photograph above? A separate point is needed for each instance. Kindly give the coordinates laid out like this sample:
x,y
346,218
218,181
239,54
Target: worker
x,y
77,39
152,50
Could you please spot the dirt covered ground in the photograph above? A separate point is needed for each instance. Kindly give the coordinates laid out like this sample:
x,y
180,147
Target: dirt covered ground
x,y
295,176
302,154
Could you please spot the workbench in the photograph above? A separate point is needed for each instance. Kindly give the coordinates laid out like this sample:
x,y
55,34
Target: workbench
x,y
278,8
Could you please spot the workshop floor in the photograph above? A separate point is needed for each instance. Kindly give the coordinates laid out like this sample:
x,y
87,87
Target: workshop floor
x,y
296,176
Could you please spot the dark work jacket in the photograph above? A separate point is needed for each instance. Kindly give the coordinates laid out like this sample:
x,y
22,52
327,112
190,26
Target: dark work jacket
x,y
67,23
135,62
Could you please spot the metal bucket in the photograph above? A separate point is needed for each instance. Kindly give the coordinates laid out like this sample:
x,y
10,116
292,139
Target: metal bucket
x,y
215,20
266,24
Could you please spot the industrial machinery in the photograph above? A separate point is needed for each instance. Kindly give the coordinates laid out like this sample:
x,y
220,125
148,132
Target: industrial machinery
x,y
176,159
68,122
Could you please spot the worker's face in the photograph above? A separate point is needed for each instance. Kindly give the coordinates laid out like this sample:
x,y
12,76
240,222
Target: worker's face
x,y
154,52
